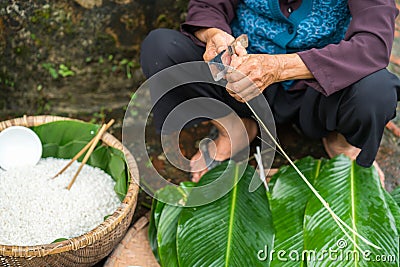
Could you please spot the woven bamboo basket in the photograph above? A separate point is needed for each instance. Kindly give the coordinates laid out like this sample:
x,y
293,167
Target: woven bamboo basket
x,y
87,249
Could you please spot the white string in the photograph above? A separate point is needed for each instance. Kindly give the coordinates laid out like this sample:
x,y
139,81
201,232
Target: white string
x,y
258,158
320,198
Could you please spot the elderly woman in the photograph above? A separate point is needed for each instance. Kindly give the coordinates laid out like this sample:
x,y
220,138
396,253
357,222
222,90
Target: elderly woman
x,y
319,64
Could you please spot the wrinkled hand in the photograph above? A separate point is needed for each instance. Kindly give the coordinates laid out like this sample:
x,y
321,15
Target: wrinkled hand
x,y
216,41
251,74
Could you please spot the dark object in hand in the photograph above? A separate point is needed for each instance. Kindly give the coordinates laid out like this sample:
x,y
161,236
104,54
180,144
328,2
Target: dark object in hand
x,y
220,63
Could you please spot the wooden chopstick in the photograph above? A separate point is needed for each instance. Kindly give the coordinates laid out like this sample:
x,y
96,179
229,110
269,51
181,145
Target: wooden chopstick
x,y
91,149
83,150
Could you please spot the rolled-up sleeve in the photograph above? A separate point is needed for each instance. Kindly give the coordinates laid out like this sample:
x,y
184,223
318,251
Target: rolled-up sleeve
x,y
208,14
365,49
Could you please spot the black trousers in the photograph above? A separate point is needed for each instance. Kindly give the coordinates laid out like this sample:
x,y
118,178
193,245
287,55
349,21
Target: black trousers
x,y
359,112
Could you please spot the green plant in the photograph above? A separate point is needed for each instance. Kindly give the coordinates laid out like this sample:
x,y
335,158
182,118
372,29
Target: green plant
x,y
128,65
62,71
286,226
51,69
100,115
7,82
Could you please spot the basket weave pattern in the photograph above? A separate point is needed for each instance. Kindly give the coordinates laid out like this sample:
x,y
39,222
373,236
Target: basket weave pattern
x,y
87,249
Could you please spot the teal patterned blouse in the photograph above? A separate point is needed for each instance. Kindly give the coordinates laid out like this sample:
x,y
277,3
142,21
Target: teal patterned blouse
x,y
315,24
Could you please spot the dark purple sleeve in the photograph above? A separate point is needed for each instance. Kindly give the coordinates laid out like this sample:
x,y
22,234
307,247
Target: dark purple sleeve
x,y
365,49
208,14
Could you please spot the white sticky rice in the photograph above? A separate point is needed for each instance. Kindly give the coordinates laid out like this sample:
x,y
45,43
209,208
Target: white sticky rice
x,y
36,210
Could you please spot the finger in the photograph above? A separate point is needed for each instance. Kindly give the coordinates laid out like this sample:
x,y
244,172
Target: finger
x,y
232,74
240,86
208,56
247,95
221,43
237,75
239,65
238,98
231,92
244,88
235,96
237,61
250,94
240,50
226,59
230,88
210,52
229,38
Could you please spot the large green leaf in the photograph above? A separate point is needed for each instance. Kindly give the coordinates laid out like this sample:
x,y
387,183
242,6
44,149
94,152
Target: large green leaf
x,y
170,194
394,209
156,209
164,222
231,231
396,195
166,235
393,200
63,132
356,196
167,227
64,139
288,199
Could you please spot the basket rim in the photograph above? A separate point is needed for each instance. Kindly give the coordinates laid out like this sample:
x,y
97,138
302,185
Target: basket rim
x,y
98,232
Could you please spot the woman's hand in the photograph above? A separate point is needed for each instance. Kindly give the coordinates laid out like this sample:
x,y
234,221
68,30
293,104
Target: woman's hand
x,y
216,41
251,74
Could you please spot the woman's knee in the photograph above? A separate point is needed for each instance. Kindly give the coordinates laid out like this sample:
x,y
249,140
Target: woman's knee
x,y
375,95
163,48
154,51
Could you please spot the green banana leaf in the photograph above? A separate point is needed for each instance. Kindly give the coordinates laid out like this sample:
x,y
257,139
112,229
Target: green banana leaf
x,y
166,235
231,231
237,230
63,132
170,194
393,200
167,227
394,209
59,240
64,139
357,197
396,195
288,199
164,221
156,209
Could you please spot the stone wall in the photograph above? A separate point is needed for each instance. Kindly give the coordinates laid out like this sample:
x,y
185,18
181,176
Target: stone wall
x,y
75,57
